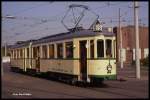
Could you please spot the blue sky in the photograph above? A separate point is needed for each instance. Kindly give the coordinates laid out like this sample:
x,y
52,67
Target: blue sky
x,y
29,15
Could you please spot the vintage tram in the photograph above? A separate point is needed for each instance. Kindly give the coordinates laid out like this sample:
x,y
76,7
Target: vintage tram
x,y
80,56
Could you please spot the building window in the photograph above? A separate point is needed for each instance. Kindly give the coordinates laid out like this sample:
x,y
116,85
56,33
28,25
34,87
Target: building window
x,y
108,48
51,51
44,49
69,50
92,48
100,48
60,50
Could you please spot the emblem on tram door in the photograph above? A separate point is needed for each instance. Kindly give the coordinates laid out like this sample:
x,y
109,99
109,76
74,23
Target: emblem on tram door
x,y
109,68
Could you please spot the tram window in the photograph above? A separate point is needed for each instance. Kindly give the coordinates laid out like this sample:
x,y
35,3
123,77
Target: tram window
x,y
20,53
51,51
92,48
100,48
14,53
108,48
34,52
27,52
11,54
44,49
59,50
17,53
69,49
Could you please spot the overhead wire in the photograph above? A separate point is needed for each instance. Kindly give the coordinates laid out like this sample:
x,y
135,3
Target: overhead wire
x,y
42,21
27,18
40,5
46,21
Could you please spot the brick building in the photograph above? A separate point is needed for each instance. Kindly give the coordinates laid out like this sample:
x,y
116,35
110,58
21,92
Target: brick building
x,y
128,43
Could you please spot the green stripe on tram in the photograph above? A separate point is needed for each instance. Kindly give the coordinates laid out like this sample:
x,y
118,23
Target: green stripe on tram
x,y
105,77
67,58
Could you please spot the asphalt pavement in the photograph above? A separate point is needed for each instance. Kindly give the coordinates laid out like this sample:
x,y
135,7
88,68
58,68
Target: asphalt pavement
x,y
16,85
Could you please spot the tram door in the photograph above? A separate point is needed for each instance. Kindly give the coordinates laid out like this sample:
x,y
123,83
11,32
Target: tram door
x,y
37,49
83,60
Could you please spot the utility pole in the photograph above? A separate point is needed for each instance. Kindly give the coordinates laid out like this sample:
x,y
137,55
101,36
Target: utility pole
x,y
136,39
120,34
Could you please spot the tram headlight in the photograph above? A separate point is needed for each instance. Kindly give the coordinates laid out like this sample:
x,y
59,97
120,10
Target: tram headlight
x,y
74,46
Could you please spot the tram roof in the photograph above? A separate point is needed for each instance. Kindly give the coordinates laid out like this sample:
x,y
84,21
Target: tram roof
x,y
71,35
66,35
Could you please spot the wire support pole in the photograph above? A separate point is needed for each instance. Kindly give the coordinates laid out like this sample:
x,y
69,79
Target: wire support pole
x,y
120,33
136,39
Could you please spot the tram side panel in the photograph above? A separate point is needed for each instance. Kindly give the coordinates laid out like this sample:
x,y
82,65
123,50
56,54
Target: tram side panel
x,y
33,63
27,63
58,66
20,63
102,69
17,64
46,65
13,62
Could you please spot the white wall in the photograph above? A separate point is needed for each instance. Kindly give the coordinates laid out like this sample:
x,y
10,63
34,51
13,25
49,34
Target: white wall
x,y
134,54
123,54
146,52
6,59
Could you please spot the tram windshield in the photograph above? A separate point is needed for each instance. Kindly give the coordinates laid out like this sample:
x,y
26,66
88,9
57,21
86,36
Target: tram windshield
x,y
100,48
108,48
104,49
69,49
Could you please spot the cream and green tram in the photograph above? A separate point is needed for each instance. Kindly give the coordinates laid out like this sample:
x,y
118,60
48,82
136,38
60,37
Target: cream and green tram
x,y
84,55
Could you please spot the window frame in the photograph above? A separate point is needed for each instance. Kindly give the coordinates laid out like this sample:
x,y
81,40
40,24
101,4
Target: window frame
x,y
53,50
108,53
59,54
100,55
92,47
67,49
44,51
